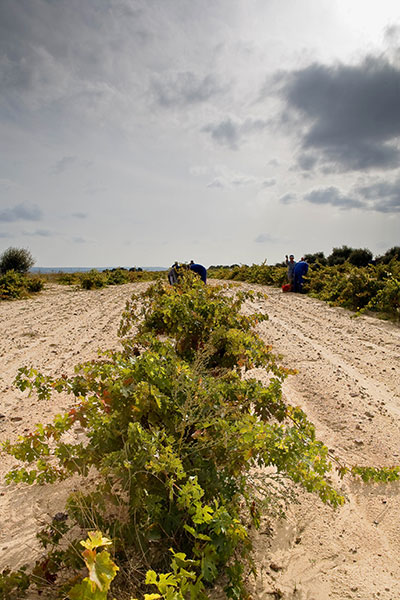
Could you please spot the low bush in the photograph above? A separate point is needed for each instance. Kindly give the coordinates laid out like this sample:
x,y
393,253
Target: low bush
x,y
35,284
12,285
344,285
15,285
147,275
19,260
93,280
117,277
387,299
66,278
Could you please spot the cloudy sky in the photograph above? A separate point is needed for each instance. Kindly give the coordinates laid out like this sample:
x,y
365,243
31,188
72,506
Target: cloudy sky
x,y
140,132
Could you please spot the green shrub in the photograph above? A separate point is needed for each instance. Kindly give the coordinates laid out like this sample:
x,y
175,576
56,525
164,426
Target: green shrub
x,y
12,285
117,277
339,256
19,260
392,253
93,280
14,584
316,258
344,285
146,275
360,257
67,278
387,299
34,284
15,285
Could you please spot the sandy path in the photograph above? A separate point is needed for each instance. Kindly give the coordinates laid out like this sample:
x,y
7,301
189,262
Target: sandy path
x,y
348,382
53,332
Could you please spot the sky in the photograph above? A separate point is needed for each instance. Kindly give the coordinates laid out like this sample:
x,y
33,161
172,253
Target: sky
x,y
140,132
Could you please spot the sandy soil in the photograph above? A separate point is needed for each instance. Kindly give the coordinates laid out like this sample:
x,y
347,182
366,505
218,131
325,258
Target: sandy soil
x,y
348,382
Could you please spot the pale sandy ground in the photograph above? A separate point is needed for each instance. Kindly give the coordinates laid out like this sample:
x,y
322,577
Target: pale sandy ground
x,y
348,383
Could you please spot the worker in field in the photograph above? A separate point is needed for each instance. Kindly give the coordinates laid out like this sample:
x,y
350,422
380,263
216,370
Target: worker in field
x,y
199,269
174,273
299,271
290,263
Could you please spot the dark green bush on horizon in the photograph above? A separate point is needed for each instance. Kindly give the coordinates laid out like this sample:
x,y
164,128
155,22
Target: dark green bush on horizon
x,y
19,260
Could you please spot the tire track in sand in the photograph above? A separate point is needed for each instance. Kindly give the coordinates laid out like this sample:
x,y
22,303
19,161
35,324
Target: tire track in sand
x,y
348,382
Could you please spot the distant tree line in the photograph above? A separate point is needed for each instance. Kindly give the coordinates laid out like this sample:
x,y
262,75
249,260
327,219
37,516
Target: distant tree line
x,y
358,257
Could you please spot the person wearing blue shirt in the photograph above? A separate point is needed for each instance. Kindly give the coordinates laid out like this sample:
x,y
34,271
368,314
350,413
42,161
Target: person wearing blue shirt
x,y
300,269
200,270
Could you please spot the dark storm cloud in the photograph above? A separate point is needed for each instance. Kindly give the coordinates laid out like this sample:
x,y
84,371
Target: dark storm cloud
x,y
230,133
79,215
21,212
334,197
382,196
347,117
307,162
184,89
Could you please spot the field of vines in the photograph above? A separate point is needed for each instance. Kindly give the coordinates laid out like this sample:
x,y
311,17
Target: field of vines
x,y
14,285
182,454
373,288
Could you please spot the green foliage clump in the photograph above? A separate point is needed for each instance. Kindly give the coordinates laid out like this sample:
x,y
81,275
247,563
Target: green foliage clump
x,y
318,258
260,274
12,285
146,275
93,280
360,257
391,254
117,277
34,284
179,440
14,585
19,260
338,256
15,285
345,285
387,299
66,278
